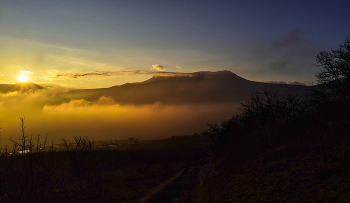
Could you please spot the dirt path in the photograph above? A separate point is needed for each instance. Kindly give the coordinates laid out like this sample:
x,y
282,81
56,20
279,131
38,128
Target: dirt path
x,y
205,172
185,186
159,188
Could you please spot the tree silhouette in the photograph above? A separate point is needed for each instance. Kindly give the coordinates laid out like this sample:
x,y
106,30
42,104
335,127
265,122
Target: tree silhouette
x,y
335,68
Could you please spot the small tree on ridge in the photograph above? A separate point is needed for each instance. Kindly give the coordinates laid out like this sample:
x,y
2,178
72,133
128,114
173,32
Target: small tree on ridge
x,y
335,71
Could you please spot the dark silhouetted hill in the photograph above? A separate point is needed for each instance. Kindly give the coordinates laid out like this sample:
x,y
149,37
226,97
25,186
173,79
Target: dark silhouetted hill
x,y
21,87
199,87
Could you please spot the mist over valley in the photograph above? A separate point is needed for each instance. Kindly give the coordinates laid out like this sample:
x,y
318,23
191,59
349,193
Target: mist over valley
x,y
163,106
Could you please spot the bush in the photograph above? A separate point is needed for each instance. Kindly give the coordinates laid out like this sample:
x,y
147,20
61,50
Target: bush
x,y
25,176
78,154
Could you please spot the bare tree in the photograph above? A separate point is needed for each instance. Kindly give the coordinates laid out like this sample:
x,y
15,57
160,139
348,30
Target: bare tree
x,y
78,152
26,174
335,68
268,105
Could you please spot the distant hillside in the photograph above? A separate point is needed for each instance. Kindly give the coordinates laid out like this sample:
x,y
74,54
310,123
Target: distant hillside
x,y
21,87
199,87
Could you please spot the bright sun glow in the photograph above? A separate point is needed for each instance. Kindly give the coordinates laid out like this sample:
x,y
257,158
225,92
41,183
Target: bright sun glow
x,y
23,78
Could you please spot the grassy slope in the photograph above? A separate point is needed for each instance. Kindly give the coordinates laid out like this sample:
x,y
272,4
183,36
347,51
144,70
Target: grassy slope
x,y
108,176
305,178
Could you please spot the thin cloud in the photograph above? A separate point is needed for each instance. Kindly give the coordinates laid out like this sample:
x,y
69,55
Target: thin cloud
x,y
76,75
287,54
73,75
178,67
56,75
159,67
292,37
26,72
283,82
279,65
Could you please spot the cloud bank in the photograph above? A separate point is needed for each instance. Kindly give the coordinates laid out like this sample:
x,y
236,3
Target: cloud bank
x,y
103,119
157,108
283,82
159,67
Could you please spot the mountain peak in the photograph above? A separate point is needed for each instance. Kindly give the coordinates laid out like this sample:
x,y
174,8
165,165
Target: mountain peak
x,y
198,73
183,88
223,72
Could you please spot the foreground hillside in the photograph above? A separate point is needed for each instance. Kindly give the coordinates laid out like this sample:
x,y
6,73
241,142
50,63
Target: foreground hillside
x,y
80,173
286,148
302,178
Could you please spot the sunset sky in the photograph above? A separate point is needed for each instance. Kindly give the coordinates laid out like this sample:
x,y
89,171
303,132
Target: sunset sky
x,y
68,44
92,44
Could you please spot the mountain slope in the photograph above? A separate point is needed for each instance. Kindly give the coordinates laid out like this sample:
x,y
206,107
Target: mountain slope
x,y
199,87
21,87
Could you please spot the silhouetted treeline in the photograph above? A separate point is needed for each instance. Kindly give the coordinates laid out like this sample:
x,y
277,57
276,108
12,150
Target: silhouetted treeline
x,y
33,172
273,125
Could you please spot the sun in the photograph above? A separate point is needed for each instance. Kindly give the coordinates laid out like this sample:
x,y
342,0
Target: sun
x,y
23,78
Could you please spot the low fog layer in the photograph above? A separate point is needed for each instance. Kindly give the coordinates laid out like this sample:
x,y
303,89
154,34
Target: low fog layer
x,y
158,108
104,119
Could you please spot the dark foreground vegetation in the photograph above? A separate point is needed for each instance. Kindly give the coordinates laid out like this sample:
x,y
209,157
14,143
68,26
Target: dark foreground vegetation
x,y
287,148
80,173
280,148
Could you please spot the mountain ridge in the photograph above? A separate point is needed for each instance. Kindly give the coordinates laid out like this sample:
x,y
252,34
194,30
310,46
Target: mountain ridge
x,y
186,88
21,87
